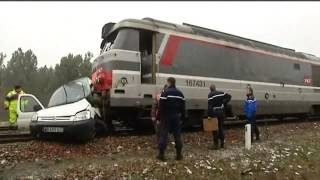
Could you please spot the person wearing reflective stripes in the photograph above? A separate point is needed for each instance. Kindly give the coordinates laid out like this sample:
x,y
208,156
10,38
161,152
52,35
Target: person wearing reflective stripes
x,y
11,103
217,100
250,108
171,111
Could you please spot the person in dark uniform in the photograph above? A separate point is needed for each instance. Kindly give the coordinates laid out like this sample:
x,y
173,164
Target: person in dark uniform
x,y
155,113
217,101
250,108
171,111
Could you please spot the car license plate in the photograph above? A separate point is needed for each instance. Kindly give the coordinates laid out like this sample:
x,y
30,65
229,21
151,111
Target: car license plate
x,y
53,129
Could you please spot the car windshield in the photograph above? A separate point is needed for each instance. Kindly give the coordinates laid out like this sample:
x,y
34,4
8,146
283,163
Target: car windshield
x,y
70,92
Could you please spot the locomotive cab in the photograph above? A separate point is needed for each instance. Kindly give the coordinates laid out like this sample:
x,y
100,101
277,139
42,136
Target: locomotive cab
x,y
124,73
125,49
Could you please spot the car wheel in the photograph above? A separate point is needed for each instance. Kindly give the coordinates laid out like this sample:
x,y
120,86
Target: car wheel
x,y
101,127
87,138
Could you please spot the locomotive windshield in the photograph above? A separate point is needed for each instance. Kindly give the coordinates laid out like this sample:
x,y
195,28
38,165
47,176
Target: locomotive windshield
x,y
127,39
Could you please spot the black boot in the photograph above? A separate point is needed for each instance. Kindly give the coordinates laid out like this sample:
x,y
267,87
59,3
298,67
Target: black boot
x,y
161,155
215,146
179,154
215,142
222,144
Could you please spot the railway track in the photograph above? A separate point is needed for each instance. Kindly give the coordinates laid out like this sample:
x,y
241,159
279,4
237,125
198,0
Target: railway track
x,y
229,123
11,136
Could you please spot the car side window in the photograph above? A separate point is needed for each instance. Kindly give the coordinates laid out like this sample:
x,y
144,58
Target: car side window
x,y
29,104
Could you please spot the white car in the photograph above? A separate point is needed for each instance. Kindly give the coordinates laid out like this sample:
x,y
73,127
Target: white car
x,y
69,112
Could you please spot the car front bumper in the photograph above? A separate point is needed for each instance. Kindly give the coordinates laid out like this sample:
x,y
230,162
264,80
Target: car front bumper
x,y
79,130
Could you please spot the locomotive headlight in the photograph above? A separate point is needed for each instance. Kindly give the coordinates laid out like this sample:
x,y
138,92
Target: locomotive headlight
x,y
34,118
83,115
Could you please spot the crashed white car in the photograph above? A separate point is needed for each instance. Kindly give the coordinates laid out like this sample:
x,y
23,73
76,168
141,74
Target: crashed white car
x,y
69,113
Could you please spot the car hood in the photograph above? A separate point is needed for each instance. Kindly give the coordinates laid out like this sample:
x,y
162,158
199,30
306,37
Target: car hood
x,y
65,110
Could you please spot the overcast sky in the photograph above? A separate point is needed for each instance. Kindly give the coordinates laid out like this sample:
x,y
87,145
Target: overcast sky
x,y
53,29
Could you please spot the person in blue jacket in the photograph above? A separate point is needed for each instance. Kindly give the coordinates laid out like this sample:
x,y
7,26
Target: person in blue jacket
x,y
250,108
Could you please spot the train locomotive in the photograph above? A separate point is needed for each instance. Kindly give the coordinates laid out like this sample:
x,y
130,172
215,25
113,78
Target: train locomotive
x,y
137,56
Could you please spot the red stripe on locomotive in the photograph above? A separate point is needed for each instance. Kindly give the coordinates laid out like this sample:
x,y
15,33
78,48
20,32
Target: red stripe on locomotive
x,y
174,42
171,50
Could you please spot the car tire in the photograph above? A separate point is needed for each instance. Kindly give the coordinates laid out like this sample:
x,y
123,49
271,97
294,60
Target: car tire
x,y
101,127
88,138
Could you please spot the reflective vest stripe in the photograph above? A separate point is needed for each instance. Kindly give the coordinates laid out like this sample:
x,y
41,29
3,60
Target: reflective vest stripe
x,y
250,101
218,95
177,97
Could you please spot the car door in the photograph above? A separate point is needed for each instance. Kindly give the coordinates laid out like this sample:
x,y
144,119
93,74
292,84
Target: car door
x,y
28,105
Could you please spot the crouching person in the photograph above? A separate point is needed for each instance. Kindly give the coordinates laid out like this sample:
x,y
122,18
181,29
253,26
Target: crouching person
x,y
171,111
250,108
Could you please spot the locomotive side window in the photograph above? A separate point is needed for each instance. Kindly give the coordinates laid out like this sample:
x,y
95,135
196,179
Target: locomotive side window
x,y
296,66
